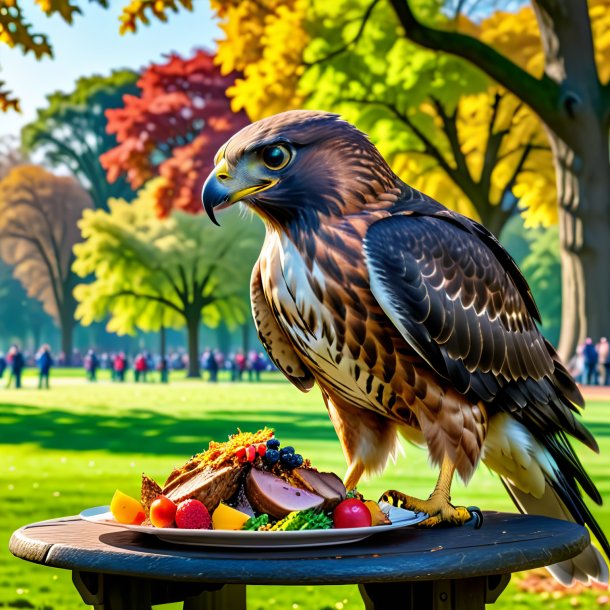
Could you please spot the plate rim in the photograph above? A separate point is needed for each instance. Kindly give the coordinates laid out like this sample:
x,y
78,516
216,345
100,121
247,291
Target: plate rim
x,y
96,514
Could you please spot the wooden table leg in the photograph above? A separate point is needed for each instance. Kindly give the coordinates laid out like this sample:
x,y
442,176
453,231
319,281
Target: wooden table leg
x,y
230,597
114,592
462,594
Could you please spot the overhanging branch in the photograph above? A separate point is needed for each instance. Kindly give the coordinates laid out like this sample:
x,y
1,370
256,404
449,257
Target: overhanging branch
x,y
347,45
542,95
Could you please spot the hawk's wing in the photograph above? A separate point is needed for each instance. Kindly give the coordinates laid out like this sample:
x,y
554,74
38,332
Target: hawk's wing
x,y
459,300
273,338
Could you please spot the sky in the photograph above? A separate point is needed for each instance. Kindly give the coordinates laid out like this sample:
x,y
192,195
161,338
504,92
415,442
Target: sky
x,y
92,45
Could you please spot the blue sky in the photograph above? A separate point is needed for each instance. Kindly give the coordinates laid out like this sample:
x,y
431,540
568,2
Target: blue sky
x,y
92,45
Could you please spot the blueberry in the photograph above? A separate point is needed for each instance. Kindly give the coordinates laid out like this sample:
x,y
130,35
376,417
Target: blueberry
x,y
297,460
273,443
286,459
272,456
286,450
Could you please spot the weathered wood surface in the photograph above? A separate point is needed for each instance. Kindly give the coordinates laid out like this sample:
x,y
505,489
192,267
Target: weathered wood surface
x,y
506,543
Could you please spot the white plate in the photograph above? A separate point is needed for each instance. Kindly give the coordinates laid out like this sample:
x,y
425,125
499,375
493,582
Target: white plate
x,y
253,540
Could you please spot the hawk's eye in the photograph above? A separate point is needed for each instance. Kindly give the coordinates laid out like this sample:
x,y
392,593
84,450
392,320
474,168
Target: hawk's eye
x,y
276,156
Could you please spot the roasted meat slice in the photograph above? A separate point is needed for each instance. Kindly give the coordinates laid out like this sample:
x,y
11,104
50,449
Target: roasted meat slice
x,y
206,484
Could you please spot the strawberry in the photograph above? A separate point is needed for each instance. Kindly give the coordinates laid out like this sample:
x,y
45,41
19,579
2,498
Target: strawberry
x,y
261,449
240,454
193,515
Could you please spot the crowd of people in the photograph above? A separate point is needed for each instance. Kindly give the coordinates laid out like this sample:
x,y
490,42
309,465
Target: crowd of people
x,y
240,365
590,365
144,365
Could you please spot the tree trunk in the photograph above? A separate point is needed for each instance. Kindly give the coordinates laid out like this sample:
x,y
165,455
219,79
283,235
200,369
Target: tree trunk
x,y
584,230
193,322
67,329
162,341
580,152
245,337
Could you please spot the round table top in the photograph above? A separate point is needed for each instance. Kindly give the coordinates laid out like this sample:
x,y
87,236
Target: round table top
x,y
505,543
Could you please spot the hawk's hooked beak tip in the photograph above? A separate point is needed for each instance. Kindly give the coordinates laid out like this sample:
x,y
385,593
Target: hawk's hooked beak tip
x,y
213,195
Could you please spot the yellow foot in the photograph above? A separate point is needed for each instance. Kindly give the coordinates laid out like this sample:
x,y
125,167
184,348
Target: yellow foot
x,y
439,509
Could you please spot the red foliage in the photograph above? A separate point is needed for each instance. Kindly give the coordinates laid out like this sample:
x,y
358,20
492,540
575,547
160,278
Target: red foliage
x,y
173,129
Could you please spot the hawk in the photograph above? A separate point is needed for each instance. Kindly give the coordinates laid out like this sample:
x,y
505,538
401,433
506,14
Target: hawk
x,y
412,319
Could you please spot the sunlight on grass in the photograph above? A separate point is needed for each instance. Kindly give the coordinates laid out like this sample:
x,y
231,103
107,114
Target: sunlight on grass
x,y
67,449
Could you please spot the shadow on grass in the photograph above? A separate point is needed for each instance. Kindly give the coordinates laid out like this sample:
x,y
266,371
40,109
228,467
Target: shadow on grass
x,y
150,432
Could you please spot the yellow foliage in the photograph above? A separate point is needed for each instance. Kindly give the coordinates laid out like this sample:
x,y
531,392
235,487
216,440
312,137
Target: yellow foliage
x,y
264,40
137,12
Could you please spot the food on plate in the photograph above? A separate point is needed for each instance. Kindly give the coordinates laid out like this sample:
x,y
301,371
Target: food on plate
x,y
126,509
252,482
271,494
378,517
226,517
351,512
193,515
162,512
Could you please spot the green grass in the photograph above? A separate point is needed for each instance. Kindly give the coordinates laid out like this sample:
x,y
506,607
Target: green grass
x,y
71,447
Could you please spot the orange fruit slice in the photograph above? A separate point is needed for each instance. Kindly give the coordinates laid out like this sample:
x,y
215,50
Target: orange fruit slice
x,y
126,509
228,518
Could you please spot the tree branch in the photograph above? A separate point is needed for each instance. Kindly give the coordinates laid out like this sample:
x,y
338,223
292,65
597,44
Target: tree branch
x,y
347,45
148,297
542,95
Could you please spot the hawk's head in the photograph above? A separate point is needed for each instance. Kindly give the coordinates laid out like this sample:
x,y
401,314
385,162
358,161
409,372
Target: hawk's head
x,y
297,164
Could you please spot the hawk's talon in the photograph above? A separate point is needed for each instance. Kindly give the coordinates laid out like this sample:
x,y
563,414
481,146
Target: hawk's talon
x,y
438,507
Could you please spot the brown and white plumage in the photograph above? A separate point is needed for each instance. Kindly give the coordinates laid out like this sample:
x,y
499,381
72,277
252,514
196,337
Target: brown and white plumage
x,y
412,319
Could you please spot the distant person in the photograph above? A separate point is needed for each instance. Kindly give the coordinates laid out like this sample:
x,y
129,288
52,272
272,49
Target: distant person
x,y
240,364
603,355
44,361
258,365
140,366
2,364
163,368
17,364
119,365
591,361
91,363
212,366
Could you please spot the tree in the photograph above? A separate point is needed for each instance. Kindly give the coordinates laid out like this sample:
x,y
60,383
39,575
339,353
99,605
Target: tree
x,y
445,128
20,316
16,32
565,82
71,131
38,216
152,273
173,129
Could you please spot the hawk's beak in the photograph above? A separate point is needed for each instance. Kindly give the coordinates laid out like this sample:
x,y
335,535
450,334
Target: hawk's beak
x,y
221,190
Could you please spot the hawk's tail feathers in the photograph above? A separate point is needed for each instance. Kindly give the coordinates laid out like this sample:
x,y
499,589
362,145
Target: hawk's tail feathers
x,y
542,476
589,564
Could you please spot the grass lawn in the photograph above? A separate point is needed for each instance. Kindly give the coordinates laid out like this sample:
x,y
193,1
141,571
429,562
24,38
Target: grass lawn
x,y
71,447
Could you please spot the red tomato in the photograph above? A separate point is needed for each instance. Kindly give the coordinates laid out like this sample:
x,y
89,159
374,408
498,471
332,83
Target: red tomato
x,y
351,513
162,512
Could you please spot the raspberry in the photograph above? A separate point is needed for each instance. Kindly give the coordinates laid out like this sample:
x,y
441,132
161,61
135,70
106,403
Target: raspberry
x,y
193,515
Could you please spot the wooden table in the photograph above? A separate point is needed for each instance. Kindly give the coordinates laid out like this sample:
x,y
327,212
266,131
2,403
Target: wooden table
x,y
438,569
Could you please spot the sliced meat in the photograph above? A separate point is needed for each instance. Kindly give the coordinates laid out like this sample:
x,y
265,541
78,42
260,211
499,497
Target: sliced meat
x,y
206,485
325,484
274,496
